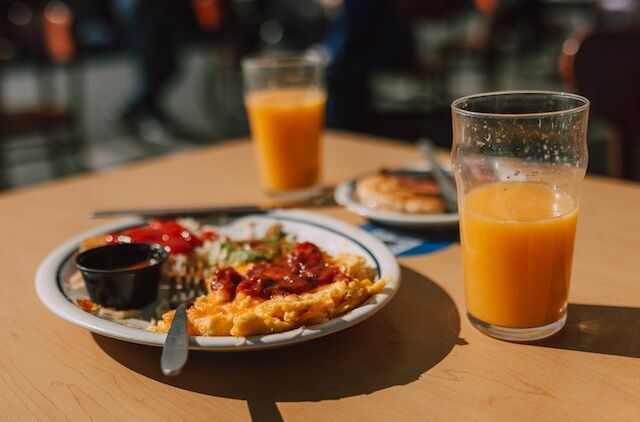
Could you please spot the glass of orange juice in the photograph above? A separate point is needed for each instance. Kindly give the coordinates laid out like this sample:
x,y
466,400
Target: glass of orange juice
x,y
519,159
285,100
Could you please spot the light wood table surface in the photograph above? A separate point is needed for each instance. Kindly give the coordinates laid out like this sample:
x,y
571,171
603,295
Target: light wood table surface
x,y
418,359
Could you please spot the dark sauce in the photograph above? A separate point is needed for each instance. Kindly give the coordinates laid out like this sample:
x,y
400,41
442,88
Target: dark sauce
x,y
301,270
137,265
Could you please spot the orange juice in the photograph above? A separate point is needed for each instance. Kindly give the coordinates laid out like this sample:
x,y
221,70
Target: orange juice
x,y
517,246
286,126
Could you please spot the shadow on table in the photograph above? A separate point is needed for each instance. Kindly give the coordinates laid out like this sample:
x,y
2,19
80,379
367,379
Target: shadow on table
x,y
609,330
414,332
441,233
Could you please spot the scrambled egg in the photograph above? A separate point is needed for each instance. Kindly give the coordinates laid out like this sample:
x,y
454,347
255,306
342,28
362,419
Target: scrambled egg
x,y
214,315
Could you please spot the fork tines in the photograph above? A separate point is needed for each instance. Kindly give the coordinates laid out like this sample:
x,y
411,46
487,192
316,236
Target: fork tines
x,y
186,285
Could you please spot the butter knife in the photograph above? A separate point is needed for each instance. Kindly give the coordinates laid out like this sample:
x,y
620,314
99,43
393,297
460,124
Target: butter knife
x,y
176,346
322,200
446,185
181,212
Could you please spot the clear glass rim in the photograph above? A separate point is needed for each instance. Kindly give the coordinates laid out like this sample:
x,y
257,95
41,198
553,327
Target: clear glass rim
x,y
455,105
283,59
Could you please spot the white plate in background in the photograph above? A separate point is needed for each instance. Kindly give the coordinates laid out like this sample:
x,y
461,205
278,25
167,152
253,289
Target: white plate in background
x,y
345,196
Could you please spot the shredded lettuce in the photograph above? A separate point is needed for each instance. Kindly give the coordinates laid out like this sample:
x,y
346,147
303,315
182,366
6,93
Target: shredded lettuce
x,y
225,252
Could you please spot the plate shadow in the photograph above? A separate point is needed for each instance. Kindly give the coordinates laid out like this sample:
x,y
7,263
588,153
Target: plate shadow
x,y
414,332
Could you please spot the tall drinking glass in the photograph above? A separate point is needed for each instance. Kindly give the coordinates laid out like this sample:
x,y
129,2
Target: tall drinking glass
x,y
519,159
285,101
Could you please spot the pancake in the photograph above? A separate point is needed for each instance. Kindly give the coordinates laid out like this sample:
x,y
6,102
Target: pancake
x,y
404,194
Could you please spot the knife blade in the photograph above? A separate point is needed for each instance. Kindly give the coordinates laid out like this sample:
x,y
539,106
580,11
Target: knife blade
x,y
447,187
176,347
322,200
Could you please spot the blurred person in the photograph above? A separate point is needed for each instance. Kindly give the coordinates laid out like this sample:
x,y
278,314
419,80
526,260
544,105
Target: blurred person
x,y
365,36
149,31
522,21
511,25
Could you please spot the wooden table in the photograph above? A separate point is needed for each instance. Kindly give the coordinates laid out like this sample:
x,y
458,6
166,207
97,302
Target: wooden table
x,y
418,359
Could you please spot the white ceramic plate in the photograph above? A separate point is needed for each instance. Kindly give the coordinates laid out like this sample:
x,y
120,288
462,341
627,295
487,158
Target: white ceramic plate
x,y
330,234
345,196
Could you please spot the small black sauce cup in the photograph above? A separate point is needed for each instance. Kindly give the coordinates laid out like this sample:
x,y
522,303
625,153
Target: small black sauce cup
x,y
124,275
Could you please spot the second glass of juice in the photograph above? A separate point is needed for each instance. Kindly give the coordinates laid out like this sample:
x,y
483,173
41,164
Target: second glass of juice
x,y
285,101
519,159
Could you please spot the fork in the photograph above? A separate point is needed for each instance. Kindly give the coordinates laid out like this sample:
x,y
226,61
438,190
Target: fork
x,y
184,288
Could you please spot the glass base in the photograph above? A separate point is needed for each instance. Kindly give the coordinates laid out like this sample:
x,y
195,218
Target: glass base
x,y
518,334
295,195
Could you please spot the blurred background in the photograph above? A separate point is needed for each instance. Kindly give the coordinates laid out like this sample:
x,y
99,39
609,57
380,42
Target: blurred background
x,y
87,85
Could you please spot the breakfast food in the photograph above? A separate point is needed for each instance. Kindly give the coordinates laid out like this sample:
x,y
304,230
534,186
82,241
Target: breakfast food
x,y
256,285
302,286
400,193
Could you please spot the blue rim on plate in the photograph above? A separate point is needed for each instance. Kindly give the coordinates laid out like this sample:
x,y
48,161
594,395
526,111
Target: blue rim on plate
x,y
327,232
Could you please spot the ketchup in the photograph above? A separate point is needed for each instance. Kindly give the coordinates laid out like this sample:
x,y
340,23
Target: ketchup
x,y
303,269
175,238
